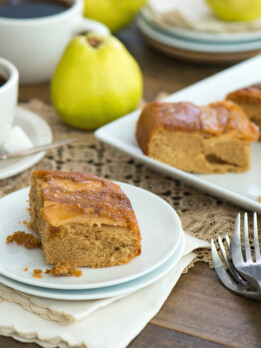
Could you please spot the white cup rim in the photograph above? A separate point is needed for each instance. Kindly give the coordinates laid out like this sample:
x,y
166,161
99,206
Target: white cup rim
x,y
13,74
32,21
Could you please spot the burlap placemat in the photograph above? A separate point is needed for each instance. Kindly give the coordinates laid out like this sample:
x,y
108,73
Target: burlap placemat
x,y
201,215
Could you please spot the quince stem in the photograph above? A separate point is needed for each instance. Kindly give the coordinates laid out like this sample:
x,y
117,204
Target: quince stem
x,y
94,42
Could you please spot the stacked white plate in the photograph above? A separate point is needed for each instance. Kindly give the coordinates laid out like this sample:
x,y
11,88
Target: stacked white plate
x,y
162,247
197,45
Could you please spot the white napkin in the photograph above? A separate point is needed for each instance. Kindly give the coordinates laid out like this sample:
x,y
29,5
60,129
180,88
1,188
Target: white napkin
x,y
189,8
63,312
196,15
17,140
112,325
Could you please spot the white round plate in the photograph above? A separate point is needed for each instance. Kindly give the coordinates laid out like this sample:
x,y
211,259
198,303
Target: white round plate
x,y
175,41
190,34
39,133
160,229
99,293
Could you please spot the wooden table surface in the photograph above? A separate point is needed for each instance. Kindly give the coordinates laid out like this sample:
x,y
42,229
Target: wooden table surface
x,y
199,312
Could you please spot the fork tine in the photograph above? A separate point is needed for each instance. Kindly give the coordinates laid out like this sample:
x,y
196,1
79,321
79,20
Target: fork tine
x,y
237,275
241,288
256,243
227,240
228,263
235,248
220,270
247,247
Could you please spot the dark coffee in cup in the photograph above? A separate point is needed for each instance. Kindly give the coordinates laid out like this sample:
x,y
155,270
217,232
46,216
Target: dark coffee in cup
x,y
26,9
2,80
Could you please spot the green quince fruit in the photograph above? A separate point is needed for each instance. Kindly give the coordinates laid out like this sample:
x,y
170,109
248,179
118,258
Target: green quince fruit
x,y
236,10
96,81
116,14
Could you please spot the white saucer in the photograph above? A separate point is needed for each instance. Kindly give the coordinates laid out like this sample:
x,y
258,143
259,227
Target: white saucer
x,y
160,229
99,293
39,133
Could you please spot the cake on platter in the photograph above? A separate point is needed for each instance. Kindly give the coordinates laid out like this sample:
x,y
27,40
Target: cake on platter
x,y
198,139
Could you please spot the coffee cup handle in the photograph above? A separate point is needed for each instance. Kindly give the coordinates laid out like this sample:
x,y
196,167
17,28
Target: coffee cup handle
x,y
82,25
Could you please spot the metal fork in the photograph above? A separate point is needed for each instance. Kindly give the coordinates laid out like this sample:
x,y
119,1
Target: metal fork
x,y
4,155
230,277
249,269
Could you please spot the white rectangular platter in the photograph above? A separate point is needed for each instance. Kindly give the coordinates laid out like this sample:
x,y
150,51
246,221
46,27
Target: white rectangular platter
x,y
241,189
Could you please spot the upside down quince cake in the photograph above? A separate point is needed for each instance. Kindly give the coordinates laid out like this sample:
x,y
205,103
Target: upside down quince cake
x,y
209,139
83,218
249,99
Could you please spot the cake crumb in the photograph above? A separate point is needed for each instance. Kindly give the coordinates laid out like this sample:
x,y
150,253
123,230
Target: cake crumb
x,y
38,273
259,199
25,222
27,240
65,268
26,269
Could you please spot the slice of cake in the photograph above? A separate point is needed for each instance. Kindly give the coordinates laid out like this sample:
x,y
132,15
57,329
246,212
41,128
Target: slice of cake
x,y
249,98
83,218
209,139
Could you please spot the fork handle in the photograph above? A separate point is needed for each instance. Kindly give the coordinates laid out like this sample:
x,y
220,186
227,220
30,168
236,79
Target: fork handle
x,y
36,149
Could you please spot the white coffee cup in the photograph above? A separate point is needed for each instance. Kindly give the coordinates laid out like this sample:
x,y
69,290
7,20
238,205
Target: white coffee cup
x,y
35,45
8,97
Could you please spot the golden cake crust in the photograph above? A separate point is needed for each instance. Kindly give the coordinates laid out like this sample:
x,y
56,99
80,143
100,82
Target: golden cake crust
x,y
71,197
250,94
216,119
249,99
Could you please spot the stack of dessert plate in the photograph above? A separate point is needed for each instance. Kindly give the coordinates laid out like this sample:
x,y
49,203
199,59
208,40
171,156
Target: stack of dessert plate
x,y
162,247
210,47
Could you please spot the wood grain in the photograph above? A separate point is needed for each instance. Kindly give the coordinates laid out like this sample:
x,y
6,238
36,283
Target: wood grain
x,y
154,336
200,306
160,72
